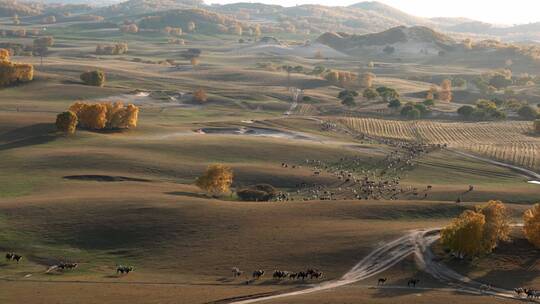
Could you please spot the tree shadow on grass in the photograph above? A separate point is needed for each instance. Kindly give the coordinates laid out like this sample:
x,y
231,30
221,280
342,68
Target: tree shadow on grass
x,y
36,134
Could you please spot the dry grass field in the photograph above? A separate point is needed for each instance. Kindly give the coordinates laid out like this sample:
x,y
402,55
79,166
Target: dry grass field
x,y
103,199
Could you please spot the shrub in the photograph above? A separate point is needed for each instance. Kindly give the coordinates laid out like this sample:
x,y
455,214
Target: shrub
x,y
429,102
200,96
257,193
370,94
129,28
94,78
112,49
531,227
394,104
66,122
217,179
527,112
466,111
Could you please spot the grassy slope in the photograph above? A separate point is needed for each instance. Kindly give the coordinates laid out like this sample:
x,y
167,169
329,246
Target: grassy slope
x,y
166,228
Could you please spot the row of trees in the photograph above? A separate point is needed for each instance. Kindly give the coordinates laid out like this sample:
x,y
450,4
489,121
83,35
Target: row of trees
x,y
112,49
11,73
98,116
483,110
477,232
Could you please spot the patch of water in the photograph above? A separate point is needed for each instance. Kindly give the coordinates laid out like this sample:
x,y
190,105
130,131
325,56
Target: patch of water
x,y
253,131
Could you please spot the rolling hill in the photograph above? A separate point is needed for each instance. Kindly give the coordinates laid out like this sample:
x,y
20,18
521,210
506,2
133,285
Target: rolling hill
x,y
400,40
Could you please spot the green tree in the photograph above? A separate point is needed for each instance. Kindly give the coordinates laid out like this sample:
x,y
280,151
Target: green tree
x,y
94,78
527,112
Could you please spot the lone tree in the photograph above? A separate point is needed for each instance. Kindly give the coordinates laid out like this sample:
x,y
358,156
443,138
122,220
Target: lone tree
x,y
67,122
216,180
367,80
445,94
94,78
42,45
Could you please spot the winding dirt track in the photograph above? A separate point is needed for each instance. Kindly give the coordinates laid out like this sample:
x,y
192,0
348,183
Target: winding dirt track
x,y
417,242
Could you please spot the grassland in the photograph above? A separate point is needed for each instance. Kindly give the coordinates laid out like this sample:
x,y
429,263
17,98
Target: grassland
x,y
182,242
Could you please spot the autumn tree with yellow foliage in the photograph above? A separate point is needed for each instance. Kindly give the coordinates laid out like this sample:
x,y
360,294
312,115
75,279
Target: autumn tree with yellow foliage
x,y
99,116
477,232
67,122
445,93
216,180
464,236
497,227
11,73
200,96
531,227
367,80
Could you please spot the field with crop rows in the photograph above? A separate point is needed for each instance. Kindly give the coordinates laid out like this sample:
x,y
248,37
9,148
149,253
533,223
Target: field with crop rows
x,y
508,141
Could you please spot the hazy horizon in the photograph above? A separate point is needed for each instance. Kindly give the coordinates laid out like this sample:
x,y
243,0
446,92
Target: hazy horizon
x,y
522,11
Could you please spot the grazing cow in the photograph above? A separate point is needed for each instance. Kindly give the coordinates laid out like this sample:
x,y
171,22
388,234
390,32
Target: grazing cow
x,y
257,274
412,282
293,275
236,272
381,281
9,256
